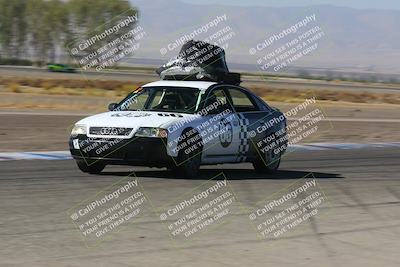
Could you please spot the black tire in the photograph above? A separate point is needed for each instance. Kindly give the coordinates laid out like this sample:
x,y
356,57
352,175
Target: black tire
x,y
188,164
269,163
92,168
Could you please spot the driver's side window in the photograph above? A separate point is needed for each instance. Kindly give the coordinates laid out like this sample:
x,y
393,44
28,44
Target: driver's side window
x,y
217,102
136,102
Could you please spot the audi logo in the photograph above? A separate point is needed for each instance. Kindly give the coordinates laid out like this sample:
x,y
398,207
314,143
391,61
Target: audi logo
x,y
109,131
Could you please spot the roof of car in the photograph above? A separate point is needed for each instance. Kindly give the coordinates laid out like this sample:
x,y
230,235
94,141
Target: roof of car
x,y
194,84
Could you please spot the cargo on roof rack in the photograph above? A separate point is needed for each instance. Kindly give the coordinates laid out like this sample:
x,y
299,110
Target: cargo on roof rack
x,y
199,61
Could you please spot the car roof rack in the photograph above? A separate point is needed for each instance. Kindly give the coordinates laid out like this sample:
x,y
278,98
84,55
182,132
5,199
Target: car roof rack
x,y
199,61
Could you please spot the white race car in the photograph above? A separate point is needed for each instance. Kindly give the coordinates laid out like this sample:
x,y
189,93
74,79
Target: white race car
x,y
182,125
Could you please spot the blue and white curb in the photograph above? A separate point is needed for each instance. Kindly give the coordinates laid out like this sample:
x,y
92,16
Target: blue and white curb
x,y
48,155
341,146
65,155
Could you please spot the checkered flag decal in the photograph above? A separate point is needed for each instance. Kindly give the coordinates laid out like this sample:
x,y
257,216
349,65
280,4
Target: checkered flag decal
x,y
243,137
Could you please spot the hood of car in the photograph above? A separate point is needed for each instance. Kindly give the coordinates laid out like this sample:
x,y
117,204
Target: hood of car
x,y
132,120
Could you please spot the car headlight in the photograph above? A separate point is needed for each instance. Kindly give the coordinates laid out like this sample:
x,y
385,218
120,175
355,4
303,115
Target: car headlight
x,y
151,132
79,129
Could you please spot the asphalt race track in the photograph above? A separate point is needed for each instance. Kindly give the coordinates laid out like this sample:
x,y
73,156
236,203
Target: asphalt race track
x,y
359,227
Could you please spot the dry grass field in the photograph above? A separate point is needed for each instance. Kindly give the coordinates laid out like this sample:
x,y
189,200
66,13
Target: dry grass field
x,y
112,88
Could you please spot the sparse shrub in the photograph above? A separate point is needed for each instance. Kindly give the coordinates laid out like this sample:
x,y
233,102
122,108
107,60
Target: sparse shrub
x,y
14,87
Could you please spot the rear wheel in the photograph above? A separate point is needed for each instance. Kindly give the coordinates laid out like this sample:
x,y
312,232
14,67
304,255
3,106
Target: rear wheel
x,y
269,163
92,168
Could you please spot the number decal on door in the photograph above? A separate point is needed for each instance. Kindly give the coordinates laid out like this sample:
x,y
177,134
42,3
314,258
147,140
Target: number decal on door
x,y
225,132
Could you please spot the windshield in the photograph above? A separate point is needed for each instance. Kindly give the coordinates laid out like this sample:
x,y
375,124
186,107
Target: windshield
x,y
170,99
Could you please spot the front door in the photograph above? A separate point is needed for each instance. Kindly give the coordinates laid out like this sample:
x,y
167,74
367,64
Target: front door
x,y
221,142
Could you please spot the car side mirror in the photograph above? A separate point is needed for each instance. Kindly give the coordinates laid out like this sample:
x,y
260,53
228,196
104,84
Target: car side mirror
x,y
112,106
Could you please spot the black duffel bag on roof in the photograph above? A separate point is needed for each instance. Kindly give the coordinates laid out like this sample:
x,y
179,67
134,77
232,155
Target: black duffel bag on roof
x,y
199,61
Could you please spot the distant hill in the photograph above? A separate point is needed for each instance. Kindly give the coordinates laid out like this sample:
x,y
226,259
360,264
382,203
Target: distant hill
x,y
355,39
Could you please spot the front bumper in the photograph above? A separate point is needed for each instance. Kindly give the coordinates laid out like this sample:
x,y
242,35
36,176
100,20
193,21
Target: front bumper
x,y
139,151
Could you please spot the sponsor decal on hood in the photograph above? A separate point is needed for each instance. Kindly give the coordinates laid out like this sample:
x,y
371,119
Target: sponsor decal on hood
x,y
130,114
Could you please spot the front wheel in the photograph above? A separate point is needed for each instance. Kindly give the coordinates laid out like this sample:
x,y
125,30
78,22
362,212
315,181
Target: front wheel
x,y
189,159
188,165
92,168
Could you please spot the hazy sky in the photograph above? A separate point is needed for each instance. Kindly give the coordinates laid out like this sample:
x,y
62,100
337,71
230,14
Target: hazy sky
x,y
382,4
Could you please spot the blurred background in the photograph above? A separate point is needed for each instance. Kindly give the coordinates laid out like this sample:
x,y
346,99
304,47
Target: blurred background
x,y
353,71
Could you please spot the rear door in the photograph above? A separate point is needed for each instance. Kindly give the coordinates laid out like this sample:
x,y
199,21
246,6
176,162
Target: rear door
x,y
250,117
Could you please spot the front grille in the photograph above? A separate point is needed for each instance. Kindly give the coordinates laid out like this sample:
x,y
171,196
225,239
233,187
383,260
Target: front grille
x,y
110,131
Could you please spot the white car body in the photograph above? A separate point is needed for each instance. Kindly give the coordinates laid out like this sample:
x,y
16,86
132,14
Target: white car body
x,y
229,143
